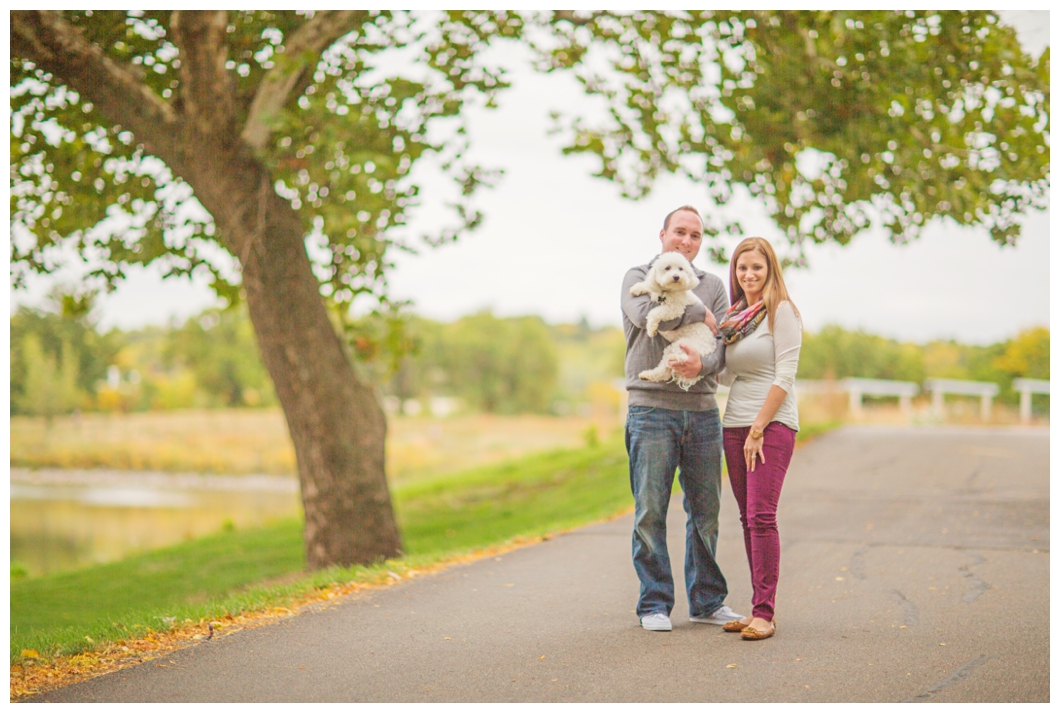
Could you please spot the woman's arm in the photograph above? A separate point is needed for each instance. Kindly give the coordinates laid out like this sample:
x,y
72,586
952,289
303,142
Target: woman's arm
x,y
787,342
769,409
752,446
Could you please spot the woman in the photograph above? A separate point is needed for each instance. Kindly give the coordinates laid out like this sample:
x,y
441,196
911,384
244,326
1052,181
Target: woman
x,y
763,335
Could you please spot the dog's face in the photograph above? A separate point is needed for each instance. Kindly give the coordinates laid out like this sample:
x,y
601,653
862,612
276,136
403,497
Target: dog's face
x,y
673,273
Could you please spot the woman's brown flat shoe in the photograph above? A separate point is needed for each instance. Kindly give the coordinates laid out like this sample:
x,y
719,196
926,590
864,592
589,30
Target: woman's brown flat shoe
x,y
752,634
734,626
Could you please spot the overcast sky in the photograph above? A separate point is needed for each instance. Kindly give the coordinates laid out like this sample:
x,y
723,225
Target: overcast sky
x,y
556,242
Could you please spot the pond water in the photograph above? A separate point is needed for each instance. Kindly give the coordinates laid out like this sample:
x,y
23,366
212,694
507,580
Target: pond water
x,y
63,520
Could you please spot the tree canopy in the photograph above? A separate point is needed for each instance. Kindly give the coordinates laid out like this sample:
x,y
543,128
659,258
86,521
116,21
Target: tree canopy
x,y
832,119
338,124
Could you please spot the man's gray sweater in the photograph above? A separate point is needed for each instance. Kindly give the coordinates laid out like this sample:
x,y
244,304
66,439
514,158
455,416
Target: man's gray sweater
x,y
644,352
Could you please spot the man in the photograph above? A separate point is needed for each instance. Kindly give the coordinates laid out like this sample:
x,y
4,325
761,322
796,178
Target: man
x,y
668,429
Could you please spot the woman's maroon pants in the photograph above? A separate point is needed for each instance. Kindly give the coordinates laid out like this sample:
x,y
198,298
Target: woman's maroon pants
x,y
757,494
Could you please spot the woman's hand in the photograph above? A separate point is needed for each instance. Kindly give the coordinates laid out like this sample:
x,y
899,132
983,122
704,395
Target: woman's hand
x,y
752,450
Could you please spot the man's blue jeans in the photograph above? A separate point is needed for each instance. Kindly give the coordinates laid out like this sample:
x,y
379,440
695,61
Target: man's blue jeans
x,y
659,441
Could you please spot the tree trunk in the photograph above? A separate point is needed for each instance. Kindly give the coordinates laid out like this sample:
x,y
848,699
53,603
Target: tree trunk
x,y
335,421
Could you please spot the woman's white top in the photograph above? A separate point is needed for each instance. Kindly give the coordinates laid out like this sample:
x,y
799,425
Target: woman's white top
x,y
758,361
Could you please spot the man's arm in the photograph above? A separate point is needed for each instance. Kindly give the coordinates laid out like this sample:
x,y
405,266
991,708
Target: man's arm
x,y
699,365
713,363
636,308
719,305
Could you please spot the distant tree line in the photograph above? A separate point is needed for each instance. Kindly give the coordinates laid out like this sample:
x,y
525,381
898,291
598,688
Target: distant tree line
x,y
837,353
208,361
58,357
492,364
61,361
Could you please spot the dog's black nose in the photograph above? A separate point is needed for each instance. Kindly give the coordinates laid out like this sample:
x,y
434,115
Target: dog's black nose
x,y
677,278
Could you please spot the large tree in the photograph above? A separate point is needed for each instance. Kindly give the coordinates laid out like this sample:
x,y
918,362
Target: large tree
x,y
834,120
282,144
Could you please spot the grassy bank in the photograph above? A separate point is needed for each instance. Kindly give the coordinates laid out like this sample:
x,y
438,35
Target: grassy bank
x,y
212,577
241,441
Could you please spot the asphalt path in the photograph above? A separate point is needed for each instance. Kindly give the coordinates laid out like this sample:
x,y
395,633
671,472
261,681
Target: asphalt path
x,y
915,568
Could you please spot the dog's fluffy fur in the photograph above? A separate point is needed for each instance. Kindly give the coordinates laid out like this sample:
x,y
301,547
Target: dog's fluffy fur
x,y
670,281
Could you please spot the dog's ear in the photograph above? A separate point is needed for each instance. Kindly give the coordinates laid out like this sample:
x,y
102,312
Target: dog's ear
x,y
653,274
693,280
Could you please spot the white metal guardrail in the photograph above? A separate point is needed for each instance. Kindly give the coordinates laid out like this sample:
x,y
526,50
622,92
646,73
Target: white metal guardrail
x,y
1026,387
904,390
985,390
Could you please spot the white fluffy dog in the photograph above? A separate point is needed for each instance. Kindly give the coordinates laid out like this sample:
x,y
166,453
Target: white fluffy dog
x,y
670,282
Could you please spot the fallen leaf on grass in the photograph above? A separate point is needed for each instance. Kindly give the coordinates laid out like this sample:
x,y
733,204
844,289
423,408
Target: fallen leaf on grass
x,y
30,654
732,665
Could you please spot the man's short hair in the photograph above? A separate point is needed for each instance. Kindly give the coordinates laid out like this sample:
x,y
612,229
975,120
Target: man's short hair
x,y
689,208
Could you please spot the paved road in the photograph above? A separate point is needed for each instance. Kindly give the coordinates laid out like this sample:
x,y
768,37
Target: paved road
x,y
915,567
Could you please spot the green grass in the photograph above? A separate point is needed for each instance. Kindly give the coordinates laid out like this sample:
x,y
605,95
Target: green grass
x,y
56,612
809,431
528,497
70,612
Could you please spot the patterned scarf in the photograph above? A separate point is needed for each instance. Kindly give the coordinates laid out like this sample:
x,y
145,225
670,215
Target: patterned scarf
x,y
741,320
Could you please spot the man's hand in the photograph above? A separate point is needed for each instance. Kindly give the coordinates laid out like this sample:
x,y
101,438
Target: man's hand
x,y
690,368
712,323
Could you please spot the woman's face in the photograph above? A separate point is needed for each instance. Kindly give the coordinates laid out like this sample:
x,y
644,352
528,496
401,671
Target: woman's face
x,y
751,274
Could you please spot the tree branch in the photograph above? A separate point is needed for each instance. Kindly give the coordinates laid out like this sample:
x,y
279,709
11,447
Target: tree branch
x,y
301,55
206,88
57,47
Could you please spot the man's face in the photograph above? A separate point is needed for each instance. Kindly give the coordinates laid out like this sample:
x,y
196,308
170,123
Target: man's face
x,y
684,234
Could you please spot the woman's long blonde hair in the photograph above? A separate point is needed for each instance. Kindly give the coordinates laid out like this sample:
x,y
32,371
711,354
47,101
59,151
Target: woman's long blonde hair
x,y
774,291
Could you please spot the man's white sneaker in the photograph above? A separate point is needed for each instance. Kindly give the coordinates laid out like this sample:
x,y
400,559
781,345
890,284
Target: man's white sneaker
x,y
719,616
656,622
